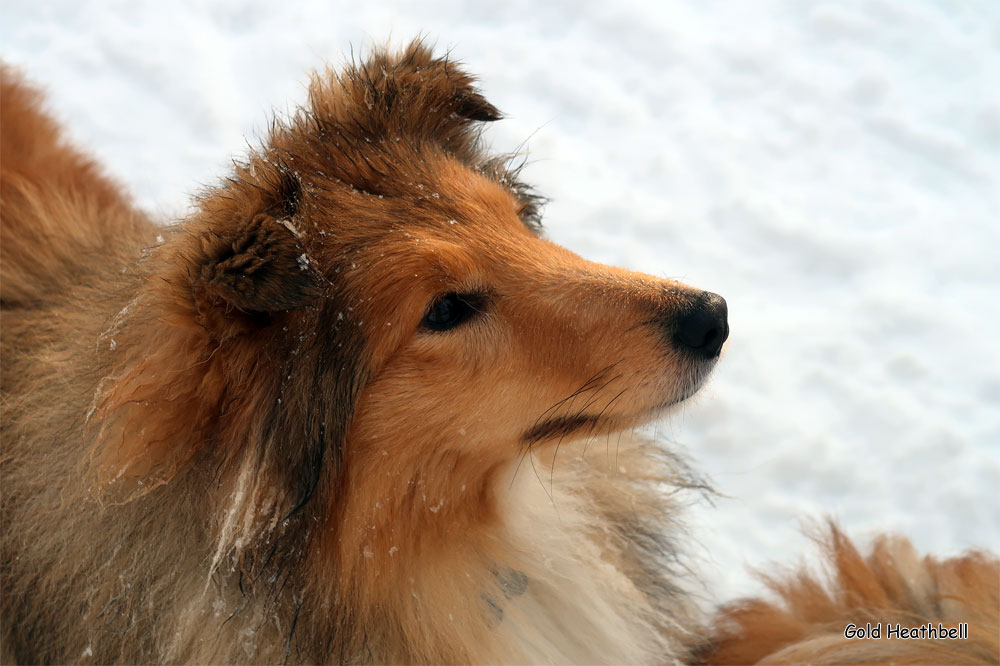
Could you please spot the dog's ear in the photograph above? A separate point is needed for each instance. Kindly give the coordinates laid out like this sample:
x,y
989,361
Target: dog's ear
x,y
227,280
414,86
410,94
251,269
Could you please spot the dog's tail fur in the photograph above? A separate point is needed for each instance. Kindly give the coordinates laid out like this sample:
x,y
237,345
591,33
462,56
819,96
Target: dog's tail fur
x,y
893,585
59,215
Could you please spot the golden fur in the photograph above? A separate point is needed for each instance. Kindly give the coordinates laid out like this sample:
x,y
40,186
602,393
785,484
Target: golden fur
x,y
238,439
892,586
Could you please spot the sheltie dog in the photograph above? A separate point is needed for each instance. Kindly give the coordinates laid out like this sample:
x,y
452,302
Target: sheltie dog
x,y
356,408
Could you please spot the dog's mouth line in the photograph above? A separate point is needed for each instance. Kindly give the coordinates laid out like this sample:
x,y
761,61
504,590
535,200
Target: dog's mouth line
x,y
560,426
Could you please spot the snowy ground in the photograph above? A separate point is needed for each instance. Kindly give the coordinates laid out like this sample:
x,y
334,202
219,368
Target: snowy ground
x,y
831,168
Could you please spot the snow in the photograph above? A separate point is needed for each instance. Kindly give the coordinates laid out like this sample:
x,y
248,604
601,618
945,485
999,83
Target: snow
x,y
831,168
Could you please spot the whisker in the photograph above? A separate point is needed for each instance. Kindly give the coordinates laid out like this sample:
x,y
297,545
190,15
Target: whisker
x,y
520,460
542,483
589,385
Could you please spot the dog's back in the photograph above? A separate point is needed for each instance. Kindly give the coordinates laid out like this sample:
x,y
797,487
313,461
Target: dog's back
x,y
60,216
66,234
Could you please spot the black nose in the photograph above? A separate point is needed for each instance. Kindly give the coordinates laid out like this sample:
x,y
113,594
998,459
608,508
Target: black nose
x,y
703,325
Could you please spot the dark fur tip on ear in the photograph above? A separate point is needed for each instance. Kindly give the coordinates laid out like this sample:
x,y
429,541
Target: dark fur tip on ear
x,y
473,106
409,93
262,268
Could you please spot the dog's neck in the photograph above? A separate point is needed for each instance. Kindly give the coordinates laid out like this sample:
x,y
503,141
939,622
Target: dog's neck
x,y
501,563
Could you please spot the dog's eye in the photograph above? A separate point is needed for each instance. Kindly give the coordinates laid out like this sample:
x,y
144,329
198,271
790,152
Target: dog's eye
x,y
449,310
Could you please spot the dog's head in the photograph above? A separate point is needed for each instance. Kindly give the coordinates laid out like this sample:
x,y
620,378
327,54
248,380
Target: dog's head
x,y
371,291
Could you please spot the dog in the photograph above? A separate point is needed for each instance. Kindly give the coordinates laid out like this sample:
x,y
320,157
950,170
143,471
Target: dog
x,y
356,408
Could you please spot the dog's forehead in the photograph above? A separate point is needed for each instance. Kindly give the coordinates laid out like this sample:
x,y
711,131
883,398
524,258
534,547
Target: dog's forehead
x,y
441,198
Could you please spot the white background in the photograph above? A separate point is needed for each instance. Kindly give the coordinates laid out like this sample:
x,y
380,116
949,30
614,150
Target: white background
x,y
831,168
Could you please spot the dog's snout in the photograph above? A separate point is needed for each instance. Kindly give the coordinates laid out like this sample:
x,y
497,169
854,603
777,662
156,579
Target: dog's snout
x,y
703,326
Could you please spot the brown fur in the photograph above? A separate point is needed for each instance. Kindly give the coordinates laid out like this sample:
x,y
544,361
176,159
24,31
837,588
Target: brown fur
x,y
891,586
234,440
